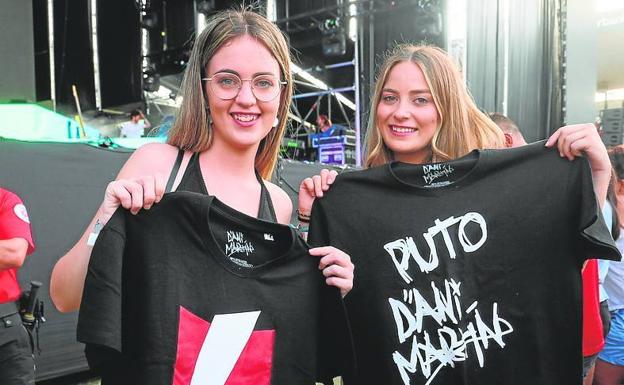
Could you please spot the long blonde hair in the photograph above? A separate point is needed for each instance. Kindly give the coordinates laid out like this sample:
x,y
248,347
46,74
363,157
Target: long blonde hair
x,y
192,130
462,127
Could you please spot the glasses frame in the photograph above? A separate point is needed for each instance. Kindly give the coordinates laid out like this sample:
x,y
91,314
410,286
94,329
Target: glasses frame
x,y
280,82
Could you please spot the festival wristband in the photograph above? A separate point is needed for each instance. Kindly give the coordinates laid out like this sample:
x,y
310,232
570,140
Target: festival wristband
x,y
94,234
303,217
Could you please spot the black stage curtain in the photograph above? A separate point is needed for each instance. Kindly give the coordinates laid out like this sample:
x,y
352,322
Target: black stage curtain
x,y
530,47
119,47
73,54
381,27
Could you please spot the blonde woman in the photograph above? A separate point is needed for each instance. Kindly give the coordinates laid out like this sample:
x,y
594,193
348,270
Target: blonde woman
x,y
468,262
236,95
454,125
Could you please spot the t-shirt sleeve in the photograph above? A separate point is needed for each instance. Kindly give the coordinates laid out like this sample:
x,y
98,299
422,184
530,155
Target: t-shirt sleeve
x,y
336,356
14,220
99,320
318,233
594,236
336,351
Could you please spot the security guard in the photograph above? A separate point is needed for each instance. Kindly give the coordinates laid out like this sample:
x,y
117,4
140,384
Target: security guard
x,y
16,357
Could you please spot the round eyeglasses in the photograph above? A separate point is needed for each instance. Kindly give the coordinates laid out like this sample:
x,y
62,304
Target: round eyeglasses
x,y
226,86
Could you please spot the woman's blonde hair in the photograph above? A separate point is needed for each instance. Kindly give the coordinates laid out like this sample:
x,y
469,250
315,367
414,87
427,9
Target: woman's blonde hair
x,y
461,126
192,130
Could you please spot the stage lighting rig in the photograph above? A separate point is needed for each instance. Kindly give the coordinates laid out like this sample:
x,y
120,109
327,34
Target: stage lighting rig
x,y
151,81
206,6
148,17
334,37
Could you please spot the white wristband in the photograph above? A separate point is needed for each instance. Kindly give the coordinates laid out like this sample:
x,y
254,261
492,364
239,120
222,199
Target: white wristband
x,y
93,236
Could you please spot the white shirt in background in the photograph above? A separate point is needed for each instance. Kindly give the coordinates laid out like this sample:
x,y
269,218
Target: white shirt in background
x,y
614,282
132,130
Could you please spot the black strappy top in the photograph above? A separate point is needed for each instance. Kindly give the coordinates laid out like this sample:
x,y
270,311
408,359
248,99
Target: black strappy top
x,y
193,181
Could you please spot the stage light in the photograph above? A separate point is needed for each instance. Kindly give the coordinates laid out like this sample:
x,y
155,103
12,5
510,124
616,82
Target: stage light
x,y
205,6
149,19
603,6
333,39
609,95
96,55
51,52
151,81
271,10
352,20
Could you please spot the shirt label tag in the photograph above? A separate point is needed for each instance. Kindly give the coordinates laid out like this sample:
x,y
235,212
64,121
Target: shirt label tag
x,y
237,244
436,175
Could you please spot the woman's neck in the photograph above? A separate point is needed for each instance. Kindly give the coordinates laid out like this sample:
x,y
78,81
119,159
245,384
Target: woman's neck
x,y
226,161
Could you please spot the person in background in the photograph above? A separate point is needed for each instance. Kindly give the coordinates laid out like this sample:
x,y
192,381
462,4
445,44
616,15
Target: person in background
x,y
513,135
610,364
327,128
16,357
134,128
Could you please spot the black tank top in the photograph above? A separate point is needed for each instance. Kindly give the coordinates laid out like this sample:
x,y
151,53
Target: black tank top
x,y
193,181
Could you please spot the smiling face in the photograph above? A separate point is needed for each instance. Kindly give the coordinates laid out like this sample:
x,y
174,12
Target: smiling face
x,y
407,117
242,121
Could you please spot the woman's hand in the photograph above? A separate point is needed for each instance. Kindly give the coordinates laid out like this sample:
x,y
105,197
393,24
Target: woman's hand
x,y
578,139
336,267
313,187
133,194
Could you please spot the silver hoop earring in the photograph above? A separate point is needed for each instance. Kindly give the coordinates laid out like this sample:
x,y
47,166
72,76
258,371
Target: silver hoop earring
x,y
275,122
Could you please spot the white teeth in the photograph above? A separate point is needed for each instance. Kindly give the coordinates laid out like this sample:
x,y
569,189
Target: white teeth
x,y
244,117
402,129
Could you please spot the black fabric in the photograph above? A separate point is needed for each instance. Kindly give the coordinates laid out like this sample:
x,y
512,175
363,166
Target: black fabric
x,y
191,251
467,272
174,171
16,359
193,180
8,308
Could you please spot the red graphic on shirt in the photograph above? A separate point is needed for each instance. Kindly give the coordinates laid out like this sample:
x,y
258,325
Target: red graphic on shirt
x,y
252,367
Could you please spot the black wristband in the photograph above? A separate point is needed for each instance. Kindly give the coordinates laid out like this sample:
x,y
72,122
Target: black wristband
x,y
303,217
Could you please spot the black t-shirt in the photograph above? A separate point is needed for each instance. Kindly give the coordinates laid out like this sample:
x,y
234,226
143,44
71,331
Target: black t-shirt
x,y
192,291
467,272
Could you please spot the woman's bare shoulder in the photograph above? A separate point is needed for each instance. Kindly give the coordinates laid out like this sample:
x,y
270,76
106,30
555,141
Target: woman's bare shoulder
x,y
281,202
149,159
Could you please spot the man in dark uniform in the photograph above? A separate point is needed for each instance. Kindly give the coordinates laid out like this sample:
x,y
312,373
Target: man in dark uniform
x,y
16,358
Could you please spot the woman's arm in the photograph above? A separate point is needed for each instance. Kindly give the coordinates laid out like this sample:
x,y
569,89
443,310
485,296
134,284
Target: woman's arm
x,y
334,263
578,139
314,187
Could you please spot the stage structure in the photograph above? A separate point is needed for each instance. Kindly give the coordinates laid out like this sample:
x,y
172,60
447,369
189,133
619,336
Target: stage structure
x,y
358,31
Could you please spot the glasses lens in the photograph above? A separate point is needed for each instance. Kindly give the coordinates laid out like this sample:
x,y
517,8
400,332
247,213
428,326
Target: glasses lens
x,y
225,86
265,87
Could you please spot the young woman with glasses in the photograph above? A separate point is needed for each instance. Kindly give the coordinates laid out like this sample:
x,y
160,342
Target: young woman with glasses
x,y
236,95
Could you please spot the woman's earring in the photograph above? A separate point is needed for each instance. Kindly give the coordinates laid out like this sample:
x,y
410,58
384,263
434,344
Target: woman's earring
x,y
209,116
275,122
